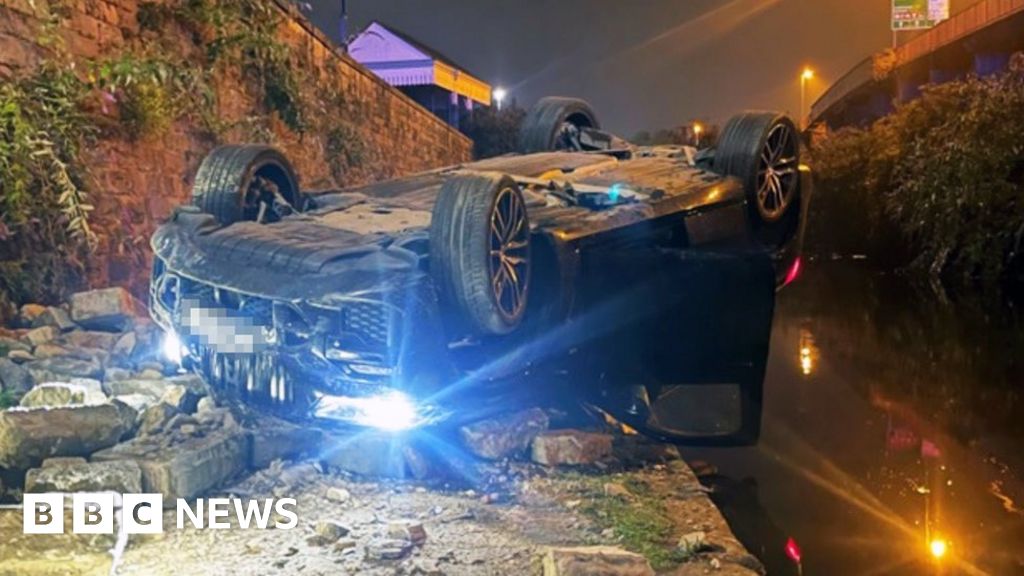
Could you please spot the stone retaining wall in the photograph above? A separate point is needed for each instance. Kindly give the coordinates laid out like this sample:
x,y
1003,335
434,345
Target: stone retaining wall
x,y
135,184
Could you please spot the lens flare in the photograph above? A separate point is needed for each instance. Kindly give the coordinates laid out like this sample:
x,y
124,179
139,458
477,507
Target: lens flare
x,y
172,348
392,412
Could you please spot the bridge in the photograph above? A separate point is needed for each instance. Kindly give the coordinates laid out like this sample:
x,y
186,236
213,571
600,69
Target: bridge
x,y
978,40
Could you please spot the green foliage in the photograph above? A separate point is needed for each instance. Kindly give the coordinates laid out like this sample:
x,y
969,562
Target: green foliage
x,y
47,117
494,132
243,32
7,399
143,89
44,223
344,149
947,170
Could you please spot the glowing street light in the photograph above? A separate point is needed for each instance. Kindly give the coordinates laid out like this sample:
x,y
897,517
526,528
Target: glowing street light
x,y
806,76
698,129
499,95
938,548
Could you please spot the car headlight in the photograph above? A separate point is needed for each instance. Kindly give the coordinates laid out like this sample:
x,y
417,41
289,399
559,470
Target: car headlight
x,y
392,411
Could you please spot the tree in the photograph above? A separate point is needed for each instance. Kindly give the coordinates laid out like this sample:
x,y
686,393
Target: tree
x,y
945,169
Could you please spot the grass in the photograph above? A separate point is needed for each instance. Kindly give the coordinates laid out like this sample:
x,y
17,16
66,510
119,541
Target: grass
x,y
641,523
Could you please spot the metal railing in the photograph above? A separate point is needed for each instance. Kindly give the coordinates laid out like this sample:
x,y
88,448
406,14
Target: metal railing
x,y
964,24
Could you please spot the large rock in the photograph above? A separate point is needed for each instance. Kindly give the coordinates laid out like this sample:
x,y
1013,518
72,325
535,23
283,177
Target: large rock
x,y
8,345
29,435
155,418
73,391
571,447
123,476
20,356
14,378
368,453
63,368
636,450
138,402
191,381
181,397
90,339
42,335
125,345
54,394
50,350
94,393
498,438
187,469
153,388
106,309
594,561
56,317
276,439
29,313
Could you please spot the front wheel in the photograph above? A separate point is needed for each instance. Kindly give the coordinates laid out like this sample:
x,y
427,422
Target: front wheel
x,y
480,252
762,149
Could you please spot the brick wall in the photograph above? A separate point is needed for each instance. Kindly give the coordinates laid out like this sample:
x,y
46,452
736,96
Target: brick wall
x,y
135,184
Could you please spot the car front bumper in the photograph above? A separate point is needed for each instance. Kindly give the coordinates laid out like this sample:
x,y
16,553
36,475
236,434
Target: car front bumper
x,y
296,351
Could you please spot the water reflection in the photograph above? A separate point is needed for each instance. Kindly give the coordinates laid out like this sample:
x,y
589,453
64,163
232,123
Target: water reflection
x,y
891,434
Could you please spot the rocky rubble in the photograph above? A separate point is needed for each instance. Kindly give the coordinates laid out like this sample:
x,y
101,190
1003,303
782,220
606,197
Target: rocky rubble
x,y
91,407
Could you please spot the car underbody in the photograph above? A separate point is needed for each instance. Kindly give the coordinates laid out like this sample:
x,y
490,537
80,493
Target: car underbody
x,y
341,300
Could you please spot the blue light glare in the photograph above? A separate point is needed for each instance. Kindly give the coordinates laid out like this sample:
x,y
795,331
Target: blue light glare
x,y
614,192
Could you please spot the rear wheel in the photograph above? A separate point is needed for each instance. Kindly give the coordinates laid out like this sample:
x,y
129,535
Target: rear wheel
x,y
554,123
762,149
246,182
480,251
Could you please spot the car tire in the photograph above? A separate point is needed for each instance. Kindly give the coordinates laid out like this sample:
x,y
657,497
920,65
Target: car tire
x,y
543,124
762,150
480,252
231,179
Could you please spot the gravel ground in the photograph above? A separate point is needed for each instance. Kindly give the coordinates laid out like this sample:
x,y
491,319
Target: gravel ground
x,y
467,533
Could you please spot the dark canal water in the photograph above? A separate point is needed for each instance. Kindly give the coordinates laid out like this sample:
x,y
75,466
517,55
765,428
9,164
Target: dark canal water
x,y
893,418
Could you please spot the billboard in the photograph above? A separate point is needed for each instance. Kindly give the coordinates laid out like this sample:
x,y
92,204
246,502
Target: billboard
x,y
918,14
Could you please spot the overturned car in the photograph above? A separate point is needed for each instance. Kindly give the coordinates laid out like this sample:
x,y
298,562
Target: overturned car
x,y
379,304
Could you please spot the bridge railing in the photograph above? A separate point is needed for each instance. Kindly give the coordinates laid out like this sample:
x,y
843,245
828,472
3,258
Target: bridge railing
x,y
858,76
963,24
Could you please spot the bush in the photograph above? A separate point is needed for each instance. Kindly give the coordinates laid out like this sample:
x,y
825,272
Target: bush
x,y
44,213
947,170
494,132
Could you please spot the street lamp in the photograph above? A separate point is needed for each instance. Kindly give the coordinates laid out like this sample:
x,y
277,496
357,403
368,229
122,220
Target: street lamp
x,y
499,96
698,129
805,77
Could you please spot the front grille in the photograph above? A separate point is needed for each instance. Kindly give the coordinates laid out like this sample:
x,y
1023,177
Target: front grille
x,y
372,321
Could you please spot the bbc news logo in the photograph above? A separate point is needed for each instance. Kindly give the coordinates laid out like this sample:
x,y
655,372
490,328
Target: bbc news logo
x,y
97,513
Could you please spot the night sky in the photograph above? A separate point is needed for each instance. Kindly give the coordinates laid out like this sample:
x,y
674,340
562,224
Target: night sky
x,y
643,64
